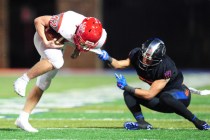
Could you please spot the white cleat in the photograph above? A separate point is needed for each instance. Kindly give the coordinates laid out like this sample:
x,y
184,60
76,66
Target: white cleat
x,y
25,125
20,86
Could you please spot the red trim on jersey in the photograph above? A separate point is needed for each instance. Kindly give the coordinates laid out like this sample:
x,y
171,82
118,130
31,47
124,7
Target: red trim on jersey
x,y
60,21
145,80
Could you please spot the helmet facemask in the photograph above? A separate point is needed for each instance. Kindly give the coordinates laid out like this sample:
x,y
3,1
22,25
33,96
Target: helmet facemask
x,y
83,45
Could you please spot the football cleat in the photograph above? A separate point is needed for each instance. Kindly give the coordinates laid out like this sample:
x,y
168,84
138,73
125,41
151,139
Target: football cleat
x,y
137,126
20,86
25,125
204,126
201,125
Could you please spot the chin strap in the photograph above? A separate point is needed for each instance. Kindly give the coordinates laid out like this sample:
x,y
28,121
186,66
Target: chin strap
x,y
75,53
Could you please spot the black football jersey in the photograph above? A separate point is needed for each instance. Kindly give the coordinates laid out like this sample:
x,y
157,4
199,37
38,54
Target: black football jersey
x,y
164,70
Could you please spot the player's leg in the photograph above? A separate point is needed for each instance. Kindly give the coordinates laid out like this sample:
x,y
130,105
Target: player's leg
x,y
178,100
50,59
132,103
39,68
23,120
43,82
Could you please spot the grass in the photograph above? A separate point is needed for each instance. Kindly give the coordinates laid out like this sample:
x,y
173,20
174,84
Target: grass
x,y
100,121
64,82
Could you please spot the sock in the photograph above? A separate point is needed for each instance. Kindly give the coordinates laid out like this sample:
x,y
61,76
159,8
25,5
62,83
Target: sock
x,y
24,115
25,77
199,123
133,106
139,116
194,118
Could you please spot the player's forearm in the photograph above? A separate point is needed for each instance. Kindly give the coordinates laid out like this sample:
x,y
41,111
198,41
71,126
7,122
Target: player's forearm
x,y
40,25
118,64
145,94
138,92
40,30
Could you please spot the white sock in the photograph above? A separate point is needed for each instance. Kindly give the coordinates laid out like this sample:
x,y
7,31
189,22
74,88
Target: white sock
x,y
25,77
24,115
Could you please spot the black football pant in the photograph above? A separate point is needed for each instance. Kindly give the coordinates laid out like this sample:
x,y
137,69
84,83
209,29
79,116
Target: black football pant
x,y
172,101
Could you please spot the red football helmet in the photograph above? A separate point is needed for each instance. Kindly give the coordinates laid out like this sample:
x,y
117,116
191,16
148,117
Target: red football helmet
x,y
88,34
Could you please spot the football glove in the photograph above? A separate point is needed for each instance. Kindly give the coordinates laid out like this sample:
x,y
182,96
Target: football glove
x,y
121,81
104,56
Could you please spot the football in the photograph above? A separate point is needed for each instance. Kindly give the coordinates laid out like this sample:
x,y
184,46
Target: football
x,y
52,34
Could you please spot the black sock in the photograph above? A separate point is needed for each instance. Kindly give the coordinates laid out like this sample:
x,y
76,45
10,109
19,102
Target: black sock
x,y
139,116
198,123
133,106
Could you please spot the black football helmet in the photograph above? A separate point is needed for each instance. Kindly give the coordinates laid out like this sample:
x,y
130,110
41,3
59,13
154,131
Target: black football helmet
x,y
151,53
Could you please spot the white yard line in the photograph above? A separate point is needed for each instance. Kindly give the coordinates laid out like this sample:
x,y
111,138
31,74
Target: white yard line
x,y
74,98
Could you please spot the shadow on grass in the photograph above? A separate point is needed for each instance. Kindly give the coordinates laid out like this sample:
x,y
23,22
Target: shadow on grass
x,y
9,129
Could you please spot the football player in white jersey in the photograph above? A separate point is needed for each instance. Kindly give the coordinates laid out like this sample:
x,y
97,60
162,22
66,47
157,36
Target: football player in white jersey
x,y
52,33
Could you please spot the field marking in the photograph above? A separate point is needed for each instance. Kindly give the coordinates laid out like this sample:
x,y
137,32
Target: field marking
x,y
101,119
114,128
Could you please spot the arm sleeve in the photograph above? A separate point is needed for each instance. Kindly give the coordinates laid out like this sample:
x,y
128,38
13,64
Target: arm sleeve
x,y
55,21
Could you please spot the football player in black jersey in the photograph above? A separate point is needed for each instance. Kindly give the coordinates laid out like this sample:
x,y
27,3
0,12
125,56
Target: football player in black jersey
x,y
167,93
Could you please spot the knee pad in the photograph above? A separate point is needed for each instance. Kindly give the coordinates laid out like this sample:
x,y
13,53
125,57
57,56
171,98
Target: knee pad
x,y
43,85
44,81
58,63
55,57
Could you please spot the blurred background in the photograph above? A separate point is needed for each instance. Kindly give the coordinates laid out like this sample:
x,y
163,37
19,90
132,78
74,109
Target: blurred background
x,y
184,26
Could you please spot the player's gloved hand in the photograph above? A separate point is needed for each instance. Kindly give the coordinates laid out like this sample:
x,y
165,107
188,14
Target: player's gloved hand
x,y
104,56
121,81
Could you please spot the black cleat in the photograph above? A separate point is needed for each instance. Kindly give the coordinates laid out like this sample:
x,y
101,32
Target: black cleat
x,y
201,125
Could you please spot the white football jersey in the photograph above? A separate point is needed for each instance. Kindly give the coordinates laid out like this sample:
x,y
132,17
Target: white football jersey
x,y
66,24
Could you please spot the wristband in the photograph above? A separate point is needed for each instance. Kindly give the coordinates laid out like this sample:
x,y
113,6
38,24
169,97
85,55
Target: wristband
x,y
129,89
109,60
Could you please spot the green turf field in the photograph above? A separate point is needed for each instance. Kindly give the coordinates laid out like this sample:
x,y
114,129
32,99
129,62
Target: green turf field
x,y
101,121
